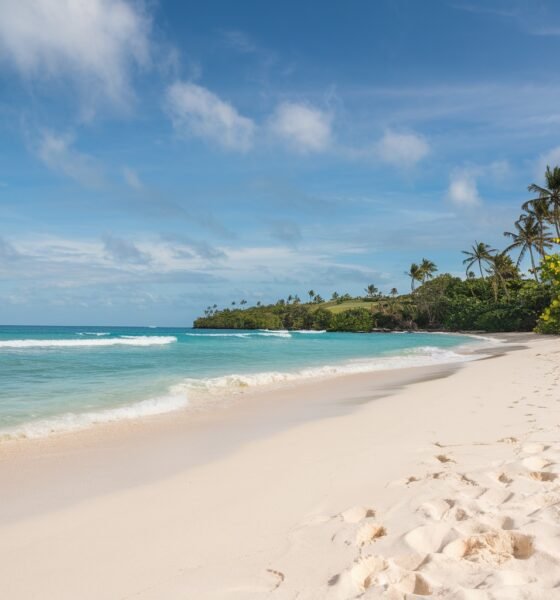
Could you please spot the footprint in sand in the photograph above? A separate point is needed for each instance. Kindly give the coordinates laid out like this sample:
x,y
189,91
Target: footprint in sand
x,y
442,458
492,547
533,448
279,576
357,514
366,571
543,476
536,463
369,533
508,440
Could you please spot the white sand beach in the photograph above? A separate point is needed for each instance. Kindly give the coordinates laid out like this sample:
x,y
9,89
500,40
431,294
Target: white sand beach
x,y
445,488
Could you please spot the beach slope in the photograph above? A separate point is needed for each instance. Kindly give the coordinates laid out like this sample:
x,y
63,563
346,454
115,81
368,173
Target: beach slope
x,y
448,488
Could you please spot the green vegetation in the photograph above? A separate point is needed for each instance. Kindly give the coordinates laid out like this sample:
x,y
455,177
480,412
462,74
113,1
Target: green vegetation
x,y
501,299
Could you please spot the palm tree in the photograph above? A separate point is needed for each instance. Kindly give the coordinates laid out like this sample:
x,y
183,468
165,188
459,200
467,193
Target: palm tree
x,y
427,268
501,268
233,303
243,302
311,295
371,291
527,236
394,292
550,194
480,253
415,275
335,296
540,211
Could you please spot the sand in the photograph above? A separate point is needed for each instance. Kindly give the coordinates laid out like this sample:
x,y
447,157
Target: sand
x,y
446,488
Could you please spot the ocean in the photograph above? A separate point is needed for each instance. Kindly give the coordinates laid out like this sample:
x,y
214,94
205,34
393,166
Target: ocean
x,y
55,379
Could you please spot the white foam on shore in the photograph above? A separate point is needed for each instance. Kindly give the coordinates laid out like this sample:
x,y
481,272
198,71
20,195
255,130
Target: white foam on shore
x,y
417,357
177,396
68,422
140,340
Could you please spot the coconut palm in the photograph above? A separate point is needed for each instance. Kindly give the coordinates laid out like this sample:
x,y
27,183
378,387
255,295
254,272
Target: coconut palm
x,y
371,291
540,211
480,253
394,292
427,268
311,295
527,237
501,269
415,274
550,194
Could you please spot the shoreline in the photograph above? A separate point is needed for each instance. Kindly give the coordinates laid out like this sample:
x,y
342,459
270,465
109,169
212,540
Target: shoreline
x,y
269,494
191,399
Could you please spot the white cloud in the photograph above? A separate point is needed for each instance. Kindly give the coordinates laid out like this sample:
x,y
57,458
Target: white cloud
x,y
550,158
463,190
94,42
402,149
124,251
56,151
197,111
305,128
132,179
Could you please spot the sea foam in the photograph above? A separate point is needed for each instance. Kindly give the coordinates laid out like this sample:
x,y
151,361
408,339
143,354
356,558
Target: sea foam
x,y
140,340
418,357
68,422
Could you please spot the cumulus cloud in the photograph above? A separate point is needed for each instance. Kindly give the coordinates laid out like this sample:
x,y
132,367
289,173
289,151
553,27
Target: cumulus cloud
x,y
197,111
402,149
132,179
94,42
124,251
57,152
305,128
463,189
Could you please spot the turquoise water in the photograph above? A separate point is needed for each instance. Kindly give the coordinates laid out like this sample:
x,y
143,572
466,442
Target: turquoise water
x,y
61,378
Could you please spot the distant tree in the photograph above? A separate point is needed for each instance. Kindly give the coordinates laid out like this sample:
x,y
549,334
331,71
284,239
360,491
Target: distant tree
x,y
335,296
527,237
371,291
258,302
233,303
296,299
311,295
415,274
394,292
427,269
290,298
481,254
550,193
318,299
243,302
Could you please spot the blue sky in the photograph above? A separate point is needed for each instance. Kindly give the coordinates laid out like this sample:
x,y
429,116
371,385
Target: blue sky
x,y
157,157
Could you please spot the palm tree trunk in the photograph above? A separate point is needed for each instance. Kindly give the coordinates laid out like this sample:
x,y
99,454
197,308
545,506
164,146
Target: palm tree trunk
x,y
480,268
533,264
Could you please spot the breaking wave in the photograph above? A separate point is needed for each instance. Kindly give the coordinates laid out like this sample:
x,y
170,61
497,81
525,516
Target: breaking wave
x,y
140,340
